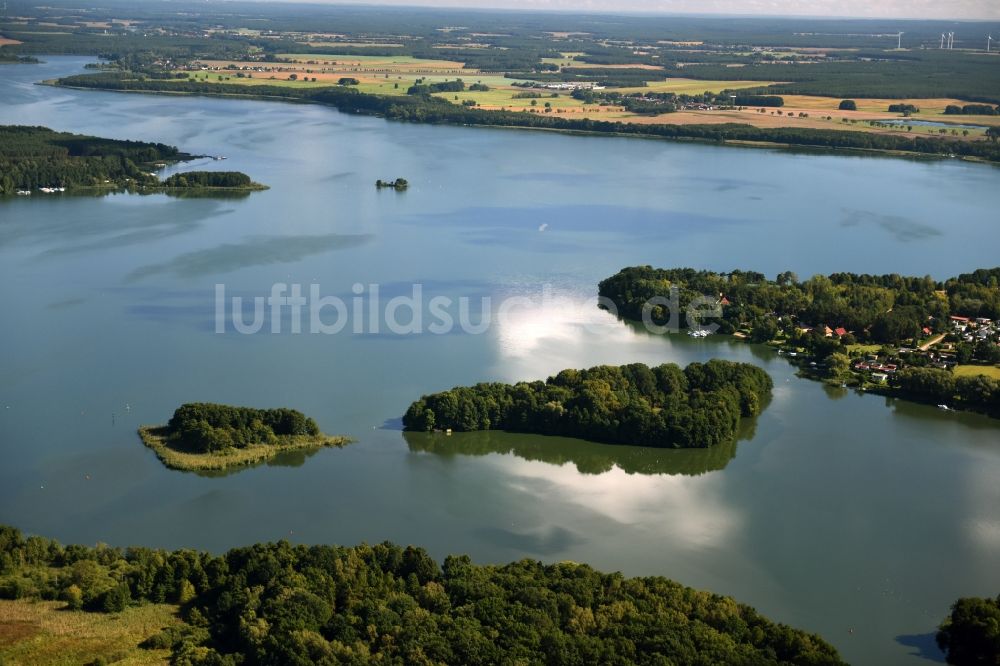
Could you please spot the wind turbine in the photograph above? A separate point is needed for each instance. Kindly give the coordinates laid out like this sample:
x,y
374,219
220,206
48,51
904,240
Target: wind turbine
x,y
899,40
989,38
942,41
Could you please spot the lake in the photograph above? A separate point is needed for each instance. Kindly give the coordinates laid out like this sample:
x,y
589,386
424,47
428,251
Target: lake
x,y
854,516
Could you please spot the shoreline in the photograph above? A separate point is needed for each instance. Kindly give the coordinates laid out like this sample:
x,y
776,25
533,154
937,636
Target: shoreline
x,y
856,381
741,143
154,438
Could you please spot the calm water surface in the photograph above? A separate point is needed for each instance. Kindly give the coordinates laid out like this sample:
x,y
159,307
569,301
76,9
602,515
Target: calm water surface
x,y
836,512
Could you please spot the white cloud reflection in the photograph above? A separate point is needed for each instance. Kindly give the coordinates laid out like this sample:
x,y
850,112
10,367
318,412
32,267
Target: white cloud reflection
x,y
690,511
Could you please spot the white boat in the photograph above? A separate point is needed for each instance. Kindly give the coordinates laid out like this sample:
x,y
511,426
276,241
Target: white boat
x,y
944,407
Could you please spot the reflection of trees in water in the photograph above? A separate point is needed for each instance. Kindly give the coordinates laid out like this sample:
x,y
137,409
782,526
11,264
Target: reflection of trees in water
x,y
588,457
835,392
295,458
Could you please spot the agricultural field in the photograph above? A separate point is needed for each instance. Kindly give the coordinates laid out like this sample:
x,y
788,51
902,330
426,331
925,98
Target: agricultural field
x,y
43,633
877,109
393,75
401,63
4,41
991,371
681,86
814,120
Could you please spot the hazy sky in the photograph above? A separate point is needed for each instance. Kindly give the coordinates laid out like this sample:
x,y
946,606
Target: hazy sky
x,y
945,9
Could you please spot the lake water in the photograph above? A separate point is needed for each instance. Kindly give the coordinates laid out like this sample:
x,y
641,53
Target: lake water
x,y
849,515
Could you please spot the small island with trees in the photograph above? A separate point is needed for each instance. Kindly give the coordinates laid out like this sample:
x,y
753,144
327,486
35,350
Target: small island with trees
x,y
207,436
211,180
399,184
664,407
41,160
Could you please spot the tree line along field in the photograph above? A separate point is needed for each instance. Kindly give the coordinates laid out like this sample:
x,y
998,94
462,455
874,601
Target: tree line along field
x,y
815,63
394,75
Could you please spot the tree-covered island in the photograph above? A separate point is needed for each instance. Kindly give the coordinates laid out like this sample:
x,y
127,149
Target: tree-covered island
x,y
206,436
41,160
211,180
913,337
665,406
399,184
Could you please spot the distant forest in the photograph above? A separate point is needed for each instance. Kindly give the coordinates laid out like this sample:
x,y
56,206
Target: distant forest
x,y
856,58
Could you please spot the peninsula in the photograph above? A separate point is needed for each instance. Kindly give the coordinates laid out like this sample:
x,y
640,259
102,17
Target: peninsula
x,y
911,337
206,436
44,161
665,407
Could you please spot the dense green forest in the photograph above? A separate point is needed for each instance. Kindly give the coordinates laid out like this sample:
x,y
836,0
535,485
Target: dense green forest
x,y
283,604
930,73
34,157
876,308
206,427
7,57
970,635
667,407
425,109
933,386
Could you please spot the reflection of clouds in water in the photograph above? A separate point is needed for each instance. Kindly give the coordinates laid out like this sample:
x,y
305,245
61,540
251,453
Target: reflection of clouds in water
x,y
687,509
903,229
255,251
553,323
568,330
538,542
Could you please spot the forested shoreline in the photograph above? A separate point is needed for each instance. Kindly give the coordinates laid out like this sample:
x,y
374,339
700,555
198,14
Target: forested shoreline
x,y
838,320
36,158
427,109
279,603
665,407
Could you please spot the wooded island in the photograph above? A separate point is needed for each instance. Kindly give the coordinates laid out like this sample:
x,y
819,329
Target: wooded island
x,y
665,406
206,436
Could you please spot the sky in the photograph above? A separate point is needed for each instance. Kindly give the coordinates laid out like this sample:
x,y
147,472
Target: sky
x,y
930,9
